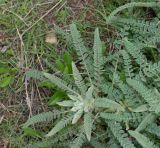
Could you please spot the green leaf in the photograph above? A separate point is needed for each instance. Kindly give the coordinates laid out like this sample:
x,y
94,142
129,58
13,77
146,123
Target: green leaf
x,y
88,122
60,83
58,96
78,79
146,121
89,93
120,134
66,70
68,61
107,103
78,142
6,81
60,125
31,132
81,50
42,117
47,84
60,66
144,141
154,129
77,116
73,97
141,108
121,116
148,94
4,70
35,74
98,58
67,103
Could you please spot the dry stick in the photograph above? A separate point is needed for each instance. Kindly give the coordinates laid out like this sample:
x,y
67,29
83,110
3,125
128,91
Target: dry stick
x,y
22,53
40,98
26,79
61,6
41,17
32,93
27,97
40,62
131,5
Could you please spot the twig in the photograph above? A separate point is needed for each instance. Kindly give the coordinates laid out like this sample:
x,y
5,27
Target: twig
x,y
40,62
22,45
27,97
40,98
61,6
26,79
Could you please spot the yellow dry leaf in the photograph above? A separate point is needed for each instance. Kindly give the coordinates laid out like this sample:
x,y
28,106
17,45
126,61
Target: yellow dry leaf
x,y
51,38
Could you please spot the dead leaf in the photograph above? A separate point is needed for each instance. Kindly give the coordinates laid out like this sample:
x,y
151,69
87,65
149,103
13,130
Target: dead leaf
x,y
4,48
51,38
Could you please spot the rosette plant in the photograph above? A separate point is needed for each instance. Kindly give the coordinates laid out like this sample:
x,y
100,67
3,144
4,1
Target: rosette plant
x,y
84,100
111,101
84,97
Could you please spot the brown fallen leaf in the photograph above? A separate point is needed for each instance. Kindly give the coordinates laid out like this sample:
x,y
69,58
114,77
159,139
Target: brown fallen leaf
x,y
51,38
